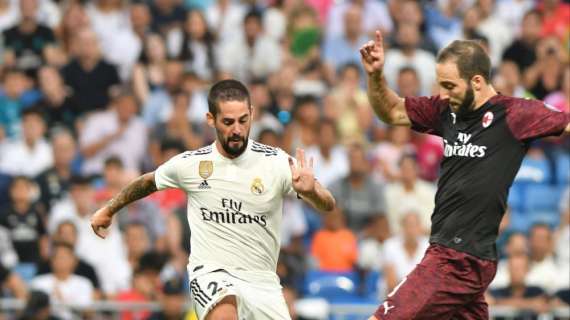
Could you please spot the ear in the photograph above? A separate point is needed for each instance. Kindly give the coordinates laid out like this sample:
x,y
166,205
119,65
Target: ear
x,y
211,120
477,82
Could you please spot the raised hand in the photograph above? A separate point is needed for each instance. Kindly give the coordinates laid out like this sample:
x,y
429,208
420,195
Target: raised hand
x,y
303,177
372,54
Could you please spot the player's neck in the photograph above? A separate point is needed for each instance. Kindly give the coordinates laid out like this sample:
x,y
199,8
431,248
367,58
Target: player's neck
x,y
223,152
484,95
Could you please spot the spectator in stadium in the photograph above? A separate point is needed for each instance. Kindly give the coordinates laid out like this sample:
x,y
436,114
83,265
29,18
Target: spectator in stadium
x,y
387,154
412,12
561,99
37,307
225,18
542,271
508,81
142,290
522,50
519,293
172,302
118,131
137,242
408,82
27,42
252,55
494,29
74,18
409,53
517,244
55,101
16,95
375,16
149,73
358,195
61,284
443,20
562,250
109,257
555,15
543,77
198,47
26,224
167,15
341,49
371,247
32,147
88,75
409,193
178,126
347,104
263,118
329,154
301,132
8,14
140,19
404,250
13,283
66,232
334,247
53,183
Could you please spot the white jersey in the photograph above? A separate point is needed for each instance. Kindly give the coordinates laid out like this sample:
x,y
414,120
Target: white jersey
x,y
234,205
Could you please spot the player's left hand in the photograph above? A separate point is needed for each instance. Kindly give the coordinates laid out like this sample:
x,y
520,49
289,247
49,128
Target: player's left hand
x,y
302,173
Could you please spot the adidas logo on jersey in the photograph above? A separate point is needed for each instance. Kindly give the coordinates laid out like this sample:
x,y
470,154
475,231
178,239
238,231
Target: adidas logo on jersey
x,y
204,185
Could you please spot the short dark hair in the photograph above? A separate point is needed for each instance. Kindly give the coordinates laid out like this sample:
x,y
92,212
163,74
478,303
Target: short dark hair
x,y
61,244
170,143
254,14
227,90
409,69
114,161
470,58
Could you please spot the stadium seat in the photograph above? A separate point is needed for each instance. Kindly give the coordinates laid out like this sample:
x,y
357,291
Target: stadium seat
x,y
516,196
534,171
551,218
335,287
519,222
4,187
371,286
563,169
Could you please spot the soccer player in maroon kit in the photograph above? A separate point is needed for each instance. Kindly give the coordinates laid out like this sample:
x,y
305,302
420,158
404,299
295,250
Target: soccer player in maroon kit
x,y
486,136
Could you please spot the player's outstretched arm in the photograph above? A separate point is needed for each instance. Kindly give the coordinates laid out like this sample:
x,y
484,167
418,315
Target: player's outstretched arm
x,y
304,183
137,189
385,102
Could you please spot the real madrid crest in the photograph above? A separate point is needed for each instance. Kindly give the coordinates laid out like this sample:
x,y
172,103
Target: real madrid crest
x,y
257,186
205,169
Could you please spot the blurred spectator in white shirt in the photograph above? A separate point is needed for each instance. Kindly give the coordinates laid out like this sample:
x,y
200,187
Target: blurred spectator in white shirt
x,y
403,251
517,244
330,158
494,29
31,154
543,271
409,193
116,132
251,55
225,17
375,16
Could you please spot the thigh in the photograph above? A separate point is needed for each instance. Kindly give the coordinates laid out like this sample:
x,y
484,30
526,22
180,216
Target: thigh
x,y
263,302
225,309
209,289
475,310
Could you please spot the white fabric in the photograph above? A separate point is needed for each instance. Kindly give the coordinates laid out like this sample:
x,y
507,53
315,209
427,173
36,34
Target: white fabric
x,y
499,36
502,277
130,147
375,15
511,12
294,223
255,299
422,61
75,290
544,274
228,24
235,208
108,256
17,158
371,255
399,202
330,170
395,255
10,17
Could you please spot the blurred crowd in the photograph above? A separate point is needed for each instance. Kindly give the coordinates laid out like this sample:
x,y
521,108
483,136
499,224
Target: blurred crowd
x,y
93,93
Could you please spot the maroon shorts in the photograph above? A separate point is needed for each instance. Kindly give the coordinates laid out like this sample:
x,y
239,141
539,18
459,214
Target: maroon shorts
x,y
446,284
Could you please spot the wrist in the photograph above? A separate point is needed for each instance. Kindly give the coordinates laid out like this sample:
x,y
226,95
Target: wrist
x,y
376,74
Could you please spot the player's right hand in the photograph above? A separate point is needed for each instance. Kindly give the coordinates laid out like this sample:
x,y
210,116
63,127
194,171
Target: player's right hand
x,y
372,54
100,222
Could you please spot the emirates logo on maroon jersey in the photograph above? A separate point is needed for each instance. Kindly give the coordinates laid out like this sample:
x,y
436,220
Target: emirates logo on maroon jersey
x,y
487,119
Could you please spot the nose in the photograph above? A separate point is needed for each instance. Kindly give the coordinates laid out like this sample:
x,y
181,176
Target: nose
x,y
443,93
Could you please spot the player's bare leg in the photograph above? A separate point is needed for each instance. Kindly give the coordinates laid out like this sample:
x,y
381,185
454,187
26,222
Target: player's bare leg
x,y
226,309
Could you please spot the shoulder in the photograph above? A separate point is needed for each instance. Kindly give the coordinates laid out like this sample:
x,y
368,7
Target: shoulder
x,y
265,150
198,153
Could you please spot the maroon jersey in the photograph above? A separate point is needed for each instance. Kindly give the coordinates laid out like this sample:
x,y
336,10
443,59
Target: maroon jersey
x,y
483,152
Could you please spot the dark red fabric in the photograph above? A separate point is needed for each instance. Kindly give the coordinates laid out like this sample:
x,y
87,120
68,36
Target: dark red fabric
x,y
447,284
529,119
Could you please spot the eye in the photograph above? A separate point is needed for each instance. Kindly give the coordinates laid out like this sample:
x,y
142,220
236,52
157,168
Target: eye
x,y
228,122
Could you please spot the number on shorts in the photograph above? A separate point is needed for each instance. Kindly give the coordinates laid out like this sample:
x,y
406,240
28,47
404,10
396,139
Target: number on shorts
x,y
397,287
214,287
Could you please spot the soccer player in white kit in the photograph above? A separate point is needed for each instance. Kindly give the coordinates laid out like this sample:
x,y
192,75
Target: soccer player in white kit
x,y
235,190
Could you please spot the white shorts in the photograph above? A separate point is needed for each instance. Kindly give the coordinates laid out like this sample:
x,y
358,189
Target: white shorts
x,y
256,300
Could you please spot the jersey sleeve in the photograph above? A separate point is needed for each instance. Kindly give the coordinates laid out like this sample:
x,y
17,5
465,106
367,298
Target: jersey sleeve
x,y
424,113
531,119
167,175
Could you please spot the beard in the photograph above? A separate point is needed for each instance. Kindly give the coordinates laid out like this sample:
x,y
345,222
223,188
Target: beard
x,y
234,145
467,104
